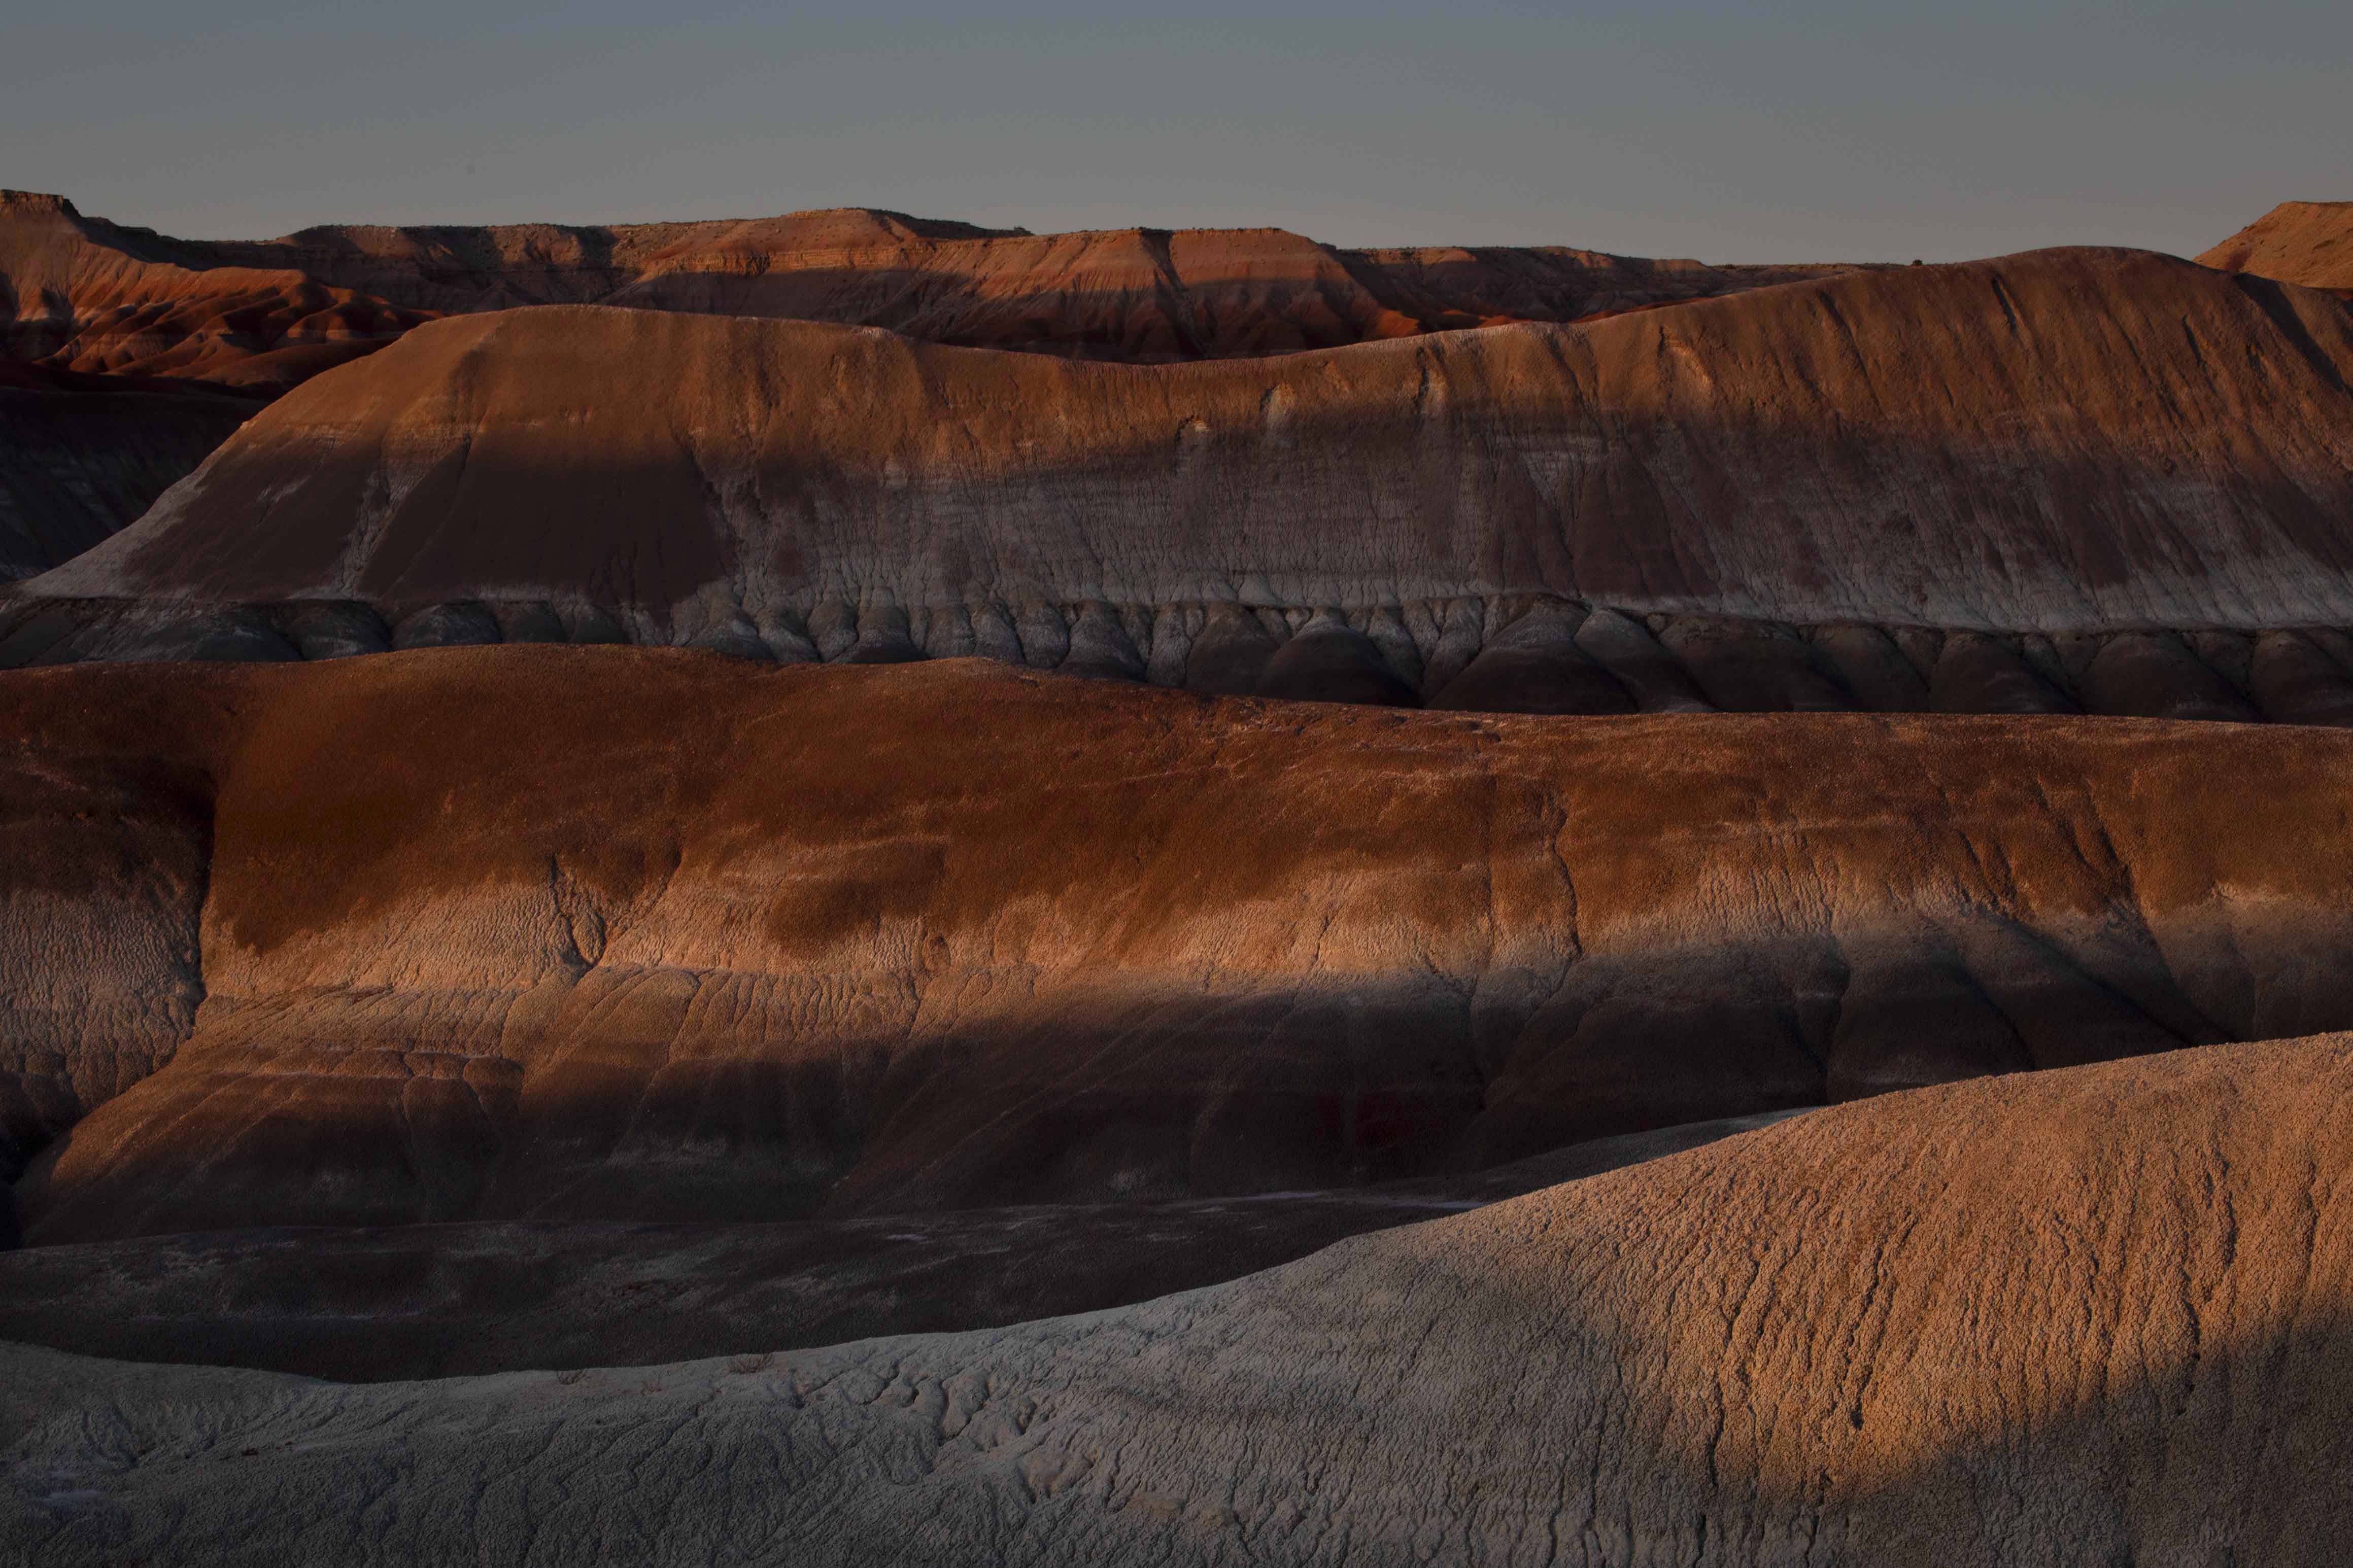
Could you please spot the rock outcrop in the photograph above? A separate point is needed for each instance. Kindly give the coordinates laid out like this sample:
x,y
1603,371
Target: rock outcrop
x,y
2307,243
2091,480
2094,1315
846,941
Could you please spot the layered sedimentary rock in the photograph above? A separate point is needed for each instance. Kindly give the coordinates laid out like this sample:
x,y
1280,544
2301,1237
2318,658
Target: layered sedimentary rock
x,y
2094,1315
377,1303
82,295
2310,243
846,941
89,296
2091,480
97,296
82,456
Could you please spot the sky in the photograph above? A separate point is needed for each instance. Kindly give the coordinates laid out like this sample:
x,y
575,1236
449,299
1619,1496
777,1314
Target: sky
x,y
1732,133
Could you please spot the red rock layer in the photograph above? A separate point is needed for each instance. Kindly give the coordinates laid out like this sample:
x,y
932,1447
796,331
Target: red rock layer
x,y
95,296
574,933
2310,243
2067,440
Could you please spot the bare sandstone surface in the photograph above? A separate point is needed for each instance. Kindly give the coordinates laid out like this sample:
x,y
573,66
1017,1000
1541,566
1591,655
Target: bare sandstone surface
x,y
801,941
2087,1316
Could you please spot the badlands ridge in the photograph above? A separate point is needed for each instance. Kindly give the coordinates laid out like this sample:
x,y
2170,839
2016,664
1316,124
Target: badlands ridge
x,y
2066,481
1799,1055
839,942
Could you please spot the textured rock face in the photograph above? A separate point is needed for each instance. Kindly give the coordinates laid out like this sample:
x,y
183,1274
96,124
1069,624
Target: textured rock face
x,y
81,457
105,838
95,296
2091,1316
85,295
2038,453
853,941
82,295
2310,243
396,1302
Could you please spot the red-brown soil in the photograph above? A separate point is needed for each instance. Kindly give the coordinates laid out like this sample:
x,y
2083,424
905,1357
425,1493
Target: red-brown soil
x,y
2309,243
257,318
550,933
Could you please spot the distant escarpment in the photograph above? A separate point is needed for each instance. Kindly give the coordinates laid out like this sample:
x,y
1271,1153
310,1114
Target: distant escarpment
x,y
97,296
2073,481
560,934
82,296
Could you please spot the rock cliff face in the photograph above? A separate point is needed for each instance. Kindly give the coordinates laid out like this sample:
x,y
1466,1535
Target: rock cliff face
x,y
2309,243
2089,480
842,942
2088,1316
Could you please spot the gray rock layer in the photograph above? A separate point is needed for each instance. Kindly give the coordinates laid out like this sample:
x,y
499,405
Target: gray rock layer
x,y
2062,441
2096,1316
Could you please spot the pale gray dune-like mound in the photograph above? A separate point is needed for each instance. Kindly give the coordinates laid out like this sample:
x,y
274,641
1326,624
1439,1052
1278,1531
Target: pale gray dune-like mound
x,y
2091,480
382,941
2090,1316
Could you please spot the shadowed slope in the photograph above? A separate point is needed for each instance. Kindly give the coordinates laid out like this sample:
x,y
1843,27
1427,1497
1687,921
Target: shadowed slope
x,y
81,455
2067,441
81,294
862,940
377,1303
2310,243
2088,1317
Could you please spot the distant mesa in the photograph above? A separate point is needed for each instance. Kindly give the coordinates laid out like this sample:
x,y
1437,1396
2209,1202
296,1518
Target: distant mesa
x,y
263,315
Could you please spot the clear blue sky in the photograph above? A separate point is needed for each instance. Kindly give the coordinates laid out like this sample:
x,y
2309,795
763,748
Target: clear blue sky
x,y
1733,132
